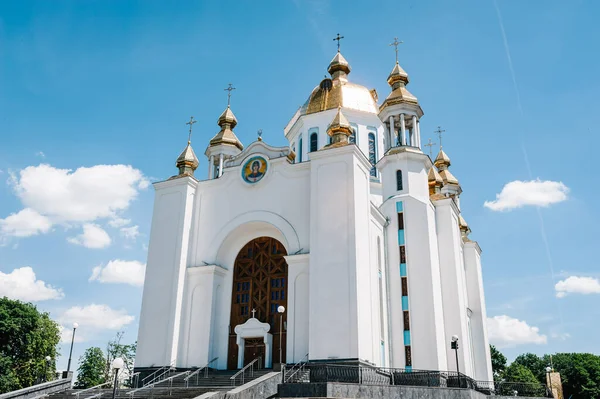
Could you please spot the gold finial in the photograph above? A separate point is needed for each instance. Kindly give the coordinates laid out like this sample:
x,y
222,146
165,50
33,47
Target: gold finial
x,y
338,38
430,144
395,44
191,123
439,132
229,90
259,134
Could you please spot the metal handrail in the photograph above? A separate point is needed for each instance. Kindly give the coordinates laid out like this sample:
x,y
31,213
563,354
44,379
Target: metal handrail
x,y
197,372
156,372
133,376
90,389
300,364
243,370
154,384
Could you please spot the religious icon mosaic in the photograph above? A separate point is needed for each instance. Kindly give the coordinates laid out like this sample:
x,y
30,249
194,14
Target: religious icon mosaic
x,y
254,169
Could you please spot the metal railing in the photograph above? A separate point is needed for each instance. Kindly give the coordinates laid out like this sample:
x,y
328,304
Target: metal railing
x,y
134,379
294,372
367,375
79,392
248,368
159,384
152,377
196,373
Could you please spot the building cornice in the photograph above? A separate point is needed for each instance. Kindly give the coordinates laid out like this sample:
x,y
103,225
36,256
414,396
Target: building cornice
x,y
176,181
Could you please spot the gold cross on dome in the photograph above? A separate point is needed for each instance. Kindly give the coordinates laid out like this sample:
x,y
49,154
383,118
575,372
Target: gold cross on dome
x,y
191,123
338,38
253,312
430,144
395,44
439,132
229,90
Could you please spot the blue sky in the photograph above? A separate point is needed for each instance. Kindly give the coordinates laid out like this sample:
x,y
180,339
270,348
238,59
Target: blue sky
x,y
94,97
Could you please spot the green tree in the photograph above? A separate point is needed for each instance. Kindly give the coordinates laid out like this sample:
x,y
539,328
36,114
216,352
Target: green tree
x,y
91,368
580,374
27,336
519,378
498,362
537,365
126,352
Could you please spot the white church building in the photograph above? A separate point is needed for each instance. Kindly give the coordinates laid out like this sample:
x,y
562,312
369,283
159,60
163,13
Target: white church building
x,y
347,245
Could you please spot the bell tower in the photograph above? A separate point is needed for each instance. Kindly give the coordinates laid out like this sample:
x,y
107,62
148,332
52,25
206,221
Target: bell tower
x,y
412,248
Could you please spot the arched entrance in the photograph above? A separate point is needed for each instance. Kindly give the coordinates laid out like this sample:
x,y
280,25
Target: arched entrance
x,y
259,283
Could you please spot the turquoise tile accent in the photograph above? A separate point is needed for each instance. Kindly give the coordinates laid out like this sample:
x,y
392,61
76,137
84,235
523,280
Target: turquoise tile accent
x,y
399,206
404,303
402,269
400,237
406,337
408,368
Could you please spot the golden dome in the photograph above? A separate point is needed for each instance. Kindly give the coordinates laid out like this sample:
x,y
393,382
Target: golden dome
x,y
433,177
339,129
442,159
398,79
338,63
442,162
187,162
397,75
338,92
227,121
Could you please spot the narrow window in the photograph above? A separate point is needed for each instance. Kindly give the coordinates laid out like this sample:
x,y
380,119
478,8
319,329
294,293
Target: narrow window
x,y
372,153
314,141
352,138
406,319
300,150
399,180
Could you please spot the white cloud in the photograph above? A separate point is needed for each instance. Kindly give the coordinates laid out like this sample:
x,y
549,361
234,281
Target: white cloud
x,y
518,194
22,284
120,271
119,222
577,285
40,154
25,223
96,317
83,195
505,332
66,335
93,236
131,232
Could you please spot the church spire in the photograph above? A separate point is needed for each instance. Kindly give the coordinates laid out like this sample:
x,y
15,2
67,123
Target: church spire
x,y
187,162
339,130
338,68
227,121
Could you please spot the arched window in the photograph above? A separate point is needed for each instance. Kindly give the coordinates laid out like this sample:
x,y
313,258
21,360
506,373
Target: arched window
x,y
294,151
314,141
373,153
399,180
300,149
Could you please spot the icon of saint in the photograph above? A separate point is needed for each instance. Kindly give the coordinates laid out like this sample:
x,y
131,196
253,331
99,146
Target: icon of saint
x,y
256,174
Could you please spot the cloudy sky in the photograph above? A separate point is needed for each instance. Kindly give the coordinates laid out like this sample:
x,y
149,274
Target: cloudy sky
x,y
94,97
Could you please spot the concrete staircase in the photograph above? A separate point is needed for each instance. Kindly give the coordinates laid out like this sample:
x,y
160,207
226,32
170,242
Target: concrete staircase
x,y
172,385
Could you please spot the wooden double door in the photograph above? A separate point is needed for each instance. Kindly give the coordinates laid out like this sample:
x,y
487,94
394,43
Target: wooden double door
x,y
260,284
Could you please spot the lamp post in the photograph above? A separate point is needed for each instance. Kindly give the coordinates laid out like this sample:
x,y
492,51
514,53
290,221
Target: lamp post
x,y
75,325
117,364
454,345
280,310
548,380
47,363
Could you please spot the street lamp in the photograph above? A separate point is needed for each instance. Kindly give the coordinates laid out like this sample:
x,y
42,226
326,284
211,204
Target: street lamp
x,y
48,359
280,310
117,364
454,345
75,325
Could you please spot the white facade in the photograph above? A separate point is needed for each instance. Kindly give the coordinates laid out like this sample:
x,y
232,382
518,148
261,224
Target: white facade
x,y
377,270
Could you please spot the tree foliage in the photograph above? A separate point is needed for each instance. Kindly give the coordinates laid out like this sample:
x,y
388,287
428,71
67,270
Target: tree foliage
x,y
27,336
579,372
498,362
91,368
126,352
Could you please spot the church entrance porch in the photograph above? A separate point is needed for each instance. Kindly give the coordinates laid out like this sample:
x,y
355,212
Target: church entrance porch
x,y
259,287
